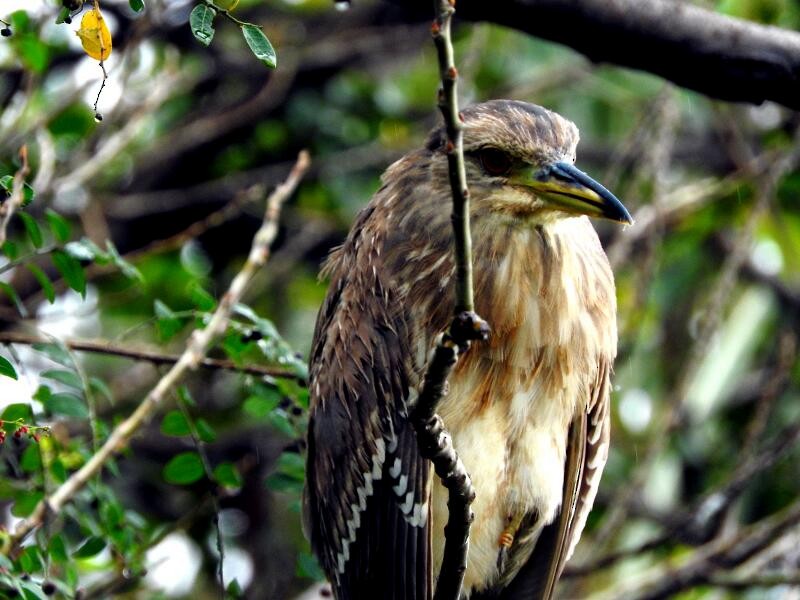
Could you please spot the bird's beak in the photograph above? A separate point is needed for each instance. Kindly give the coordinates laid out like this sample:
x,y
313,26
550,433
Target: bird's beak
x,y
571,190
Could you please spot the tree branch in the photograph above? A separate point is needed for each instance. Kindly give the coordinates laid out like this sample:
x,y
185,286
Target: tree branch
x,y
717,55
109,348
197,346
434,441
17,197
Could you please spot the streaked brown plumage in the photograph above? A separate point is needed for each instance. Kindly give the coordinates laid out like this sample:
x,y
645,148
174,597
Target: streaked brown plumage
x,y
528,410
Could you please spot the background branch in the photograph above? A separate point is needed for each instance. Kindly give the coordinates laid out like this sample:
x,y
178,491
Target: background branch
x,y
720,56
110,348
198,345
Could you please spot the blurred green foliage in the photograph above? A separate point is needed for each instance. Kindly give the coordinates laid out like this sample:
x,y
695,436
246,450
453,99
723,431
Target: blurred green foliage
x,y
188,128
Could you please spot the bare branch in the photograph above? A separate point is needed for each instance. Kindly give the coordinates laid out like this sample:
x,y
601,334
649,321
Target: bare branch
x,y
17,197
720,56
111,348
198,345
434,441
698,567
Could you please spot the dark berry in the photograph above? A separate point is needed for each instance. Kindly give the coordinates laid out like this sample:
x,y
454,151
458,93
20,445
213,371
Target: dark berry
x,y
48,588
5,32
98,117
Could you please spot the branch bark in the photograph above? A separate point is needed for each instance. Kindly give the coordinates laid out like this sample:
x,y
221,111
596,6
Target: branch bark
x,y
109,348
719,56
199,343
433,439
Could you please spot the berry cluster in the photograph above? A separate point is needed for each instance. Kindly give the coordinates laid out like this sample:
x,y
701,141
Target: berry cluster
x,y
33,432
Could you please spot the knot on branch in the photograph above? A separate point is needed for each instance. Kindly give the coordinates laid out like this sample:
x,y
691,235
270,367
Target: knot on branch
x,y
466,327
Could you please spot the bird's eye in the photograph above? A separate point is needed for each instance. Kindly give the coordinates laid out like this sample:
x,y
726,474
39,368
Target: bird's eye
x,y
494,161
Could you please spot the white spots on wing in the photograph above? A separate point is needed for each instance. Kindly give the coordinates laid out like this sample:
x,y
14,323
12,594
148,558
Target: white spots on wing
x,y
363,492
400,488
408,504
418,516
394,471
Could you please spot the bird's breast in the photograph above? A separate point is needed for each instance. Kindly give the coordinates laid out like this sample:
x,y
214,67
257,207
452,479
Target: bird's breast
x,y
512,399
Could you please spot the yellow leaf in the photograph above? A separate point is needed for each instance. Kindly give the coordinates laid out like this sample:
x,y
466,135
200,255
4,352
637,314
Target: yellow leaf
x,y
95,36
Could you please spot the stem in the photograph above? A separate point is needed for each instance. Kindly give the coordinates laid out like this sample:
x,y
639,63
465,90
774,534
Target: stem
x,y
158,358
434,442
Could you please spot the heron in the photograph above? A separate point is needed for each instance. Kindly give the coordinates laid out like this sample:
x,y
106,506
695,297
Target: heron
x,y
528,410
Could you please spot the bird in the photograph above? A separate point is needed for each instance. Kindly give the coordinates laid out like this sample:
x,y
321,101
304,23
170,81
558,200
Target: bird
x,y
527,410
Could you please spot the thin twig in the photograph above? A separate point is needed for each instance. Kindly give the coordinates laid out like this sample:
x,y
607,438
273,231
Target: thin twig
x,y
200,447
157,358
197,346
698,567
434,442
17,197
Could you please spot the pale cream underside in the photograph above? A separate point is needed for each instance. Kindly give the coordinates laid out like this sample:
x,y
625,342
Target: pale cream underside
x,y
514,450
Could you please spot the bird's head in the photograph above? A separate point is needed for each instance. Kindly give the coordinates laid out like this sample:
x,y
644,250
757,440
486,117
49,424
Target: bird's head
x,y
520,160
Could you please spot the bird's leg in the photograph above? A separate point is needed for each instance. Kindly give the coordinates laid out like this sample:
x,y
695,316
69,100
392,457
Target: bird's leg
x,y
506,539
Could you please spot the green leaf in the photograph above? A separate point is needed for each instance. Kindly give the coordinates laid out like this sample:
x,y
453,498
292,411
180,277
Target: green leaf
x,y
55,352
7,183
183,469
71,270
10,250
234,590
68,405
280,421
12,293
91,547
58,470
32,229
58,549
278,482
25,504
28,195
42,393
68,378
98,386
201,20
167,322
123,265
291,464
175,424
205,431
15,411
227,475
201,298
62,15
59,226
194,259
44,281
31,460
308,567
259,406
86,250
31,561
7,369
136,5
259,44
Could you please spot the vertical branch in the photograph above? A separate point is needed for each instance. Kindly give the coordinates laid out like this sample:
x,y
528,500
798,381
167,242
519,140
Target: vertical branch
x,y
454,147
434,441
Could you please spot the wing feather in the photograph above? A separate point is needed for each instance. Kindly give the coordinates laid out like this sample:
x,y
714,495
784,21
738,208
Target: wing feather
x,y
367,487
